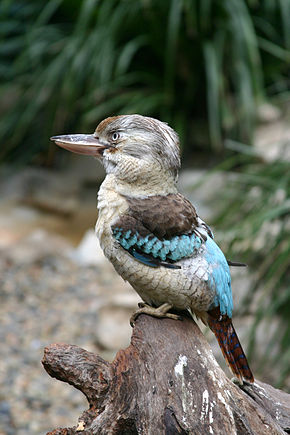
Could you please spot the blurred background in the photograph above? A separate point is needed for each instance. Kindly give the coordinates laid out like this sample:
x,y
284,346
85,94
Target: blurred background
x,y
218,73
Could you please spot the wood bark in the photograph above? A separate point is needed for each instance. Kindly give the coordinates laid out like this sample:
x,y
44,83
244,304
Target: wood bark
x,y
166,382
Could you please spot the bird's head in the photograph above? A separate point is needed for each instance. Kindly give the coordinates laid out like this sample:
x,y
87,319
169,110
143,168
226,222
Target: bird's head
x,y
135,149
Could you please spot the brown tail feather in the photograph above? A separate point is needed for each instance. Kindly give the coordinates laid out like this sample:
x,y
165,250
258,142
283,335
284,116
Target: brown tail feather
x,y
231,347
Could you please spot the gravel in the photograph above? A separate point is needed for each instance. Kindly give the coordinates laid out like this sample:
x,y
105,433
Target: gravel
x,y
47,297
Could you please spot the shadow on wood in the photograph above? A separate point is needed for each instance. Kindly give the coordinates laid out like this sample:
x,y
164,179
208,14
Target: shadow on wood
x,y
166,382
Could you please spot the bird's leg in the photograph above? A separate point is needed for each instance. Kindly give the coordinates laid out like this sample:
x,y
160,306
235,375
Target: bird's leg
x,y
161,311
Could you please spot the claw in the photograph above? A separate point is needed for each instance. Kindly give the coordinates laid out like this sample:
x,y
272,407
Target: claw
x,y
159,312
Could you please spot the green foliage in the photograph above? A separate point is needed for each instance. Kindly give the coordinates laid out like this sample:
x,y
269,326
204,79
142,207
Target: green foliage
x,y
65,65
255,220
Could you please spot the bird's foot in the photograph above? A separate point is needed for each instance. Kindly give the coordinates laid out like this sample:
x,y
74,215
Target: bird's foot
x,y
159,312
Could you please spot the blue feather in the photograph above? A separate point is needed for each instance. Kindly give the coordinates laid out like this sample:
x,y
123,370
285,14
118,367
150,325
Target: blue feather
x,y
144,259
167,249
127,234
156,248
142,240
117,233
148,245
173,243
220,279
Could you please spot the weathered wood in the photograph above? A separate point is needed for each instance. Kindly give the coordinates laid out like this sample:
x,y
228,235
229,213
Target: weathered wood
x,y
166,382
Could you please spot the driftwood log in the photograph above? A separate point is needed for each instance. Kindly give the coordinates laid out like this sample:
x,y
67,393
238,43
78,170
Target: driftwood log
x,y
166,382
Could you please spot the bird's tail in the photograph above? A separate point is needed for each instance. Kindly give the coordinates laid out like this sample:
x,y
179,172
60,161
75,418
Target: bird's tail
x,y
231,347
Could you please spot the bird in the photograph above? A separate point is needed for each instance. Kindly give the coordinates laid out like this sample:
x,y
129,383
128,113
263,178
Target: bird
x,y
153,235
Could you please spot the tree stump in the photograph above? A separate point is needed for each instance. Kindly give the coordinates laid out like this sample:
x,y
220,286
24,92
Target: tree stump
x,y
166,382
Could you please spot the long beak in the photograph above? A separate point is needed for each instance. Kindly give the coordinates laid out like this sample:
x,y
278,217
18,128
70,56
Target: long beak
x,y
81,144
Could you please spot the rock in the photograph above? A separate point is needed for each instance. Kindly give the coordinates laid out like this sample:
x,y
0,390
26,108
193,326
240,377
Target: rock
x,y
197,186
35,246
267,113
89,252
113,329
272,141
39,186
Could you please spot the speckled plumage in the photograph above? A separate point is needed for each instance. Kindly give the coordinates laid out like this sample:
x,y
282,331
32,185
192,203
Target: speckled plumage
x,y
185,288
152,234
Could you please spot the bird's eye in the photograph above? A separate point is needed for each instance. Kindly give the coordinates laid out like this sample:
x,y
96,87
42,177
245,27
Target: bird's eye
x,y
115,136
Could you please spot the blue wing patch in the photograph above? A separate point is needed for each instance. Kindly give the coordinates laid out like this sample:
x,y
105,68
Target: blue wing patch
x,y
150,261
220,279
149,248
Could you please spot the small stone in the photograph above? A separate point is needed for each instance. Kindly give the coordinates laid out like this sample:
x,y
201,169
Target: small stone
x,y
81,426
113,328
268,113
89,252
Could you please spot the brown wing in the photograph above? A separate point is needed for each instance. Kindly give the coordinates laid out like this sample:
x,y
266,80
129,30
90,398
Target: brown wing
x,y
164,216
159,230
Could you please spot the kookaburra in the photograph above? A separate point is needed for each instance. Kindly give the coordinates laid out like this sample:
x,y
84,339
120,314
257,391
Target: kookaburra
x,y
152,234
